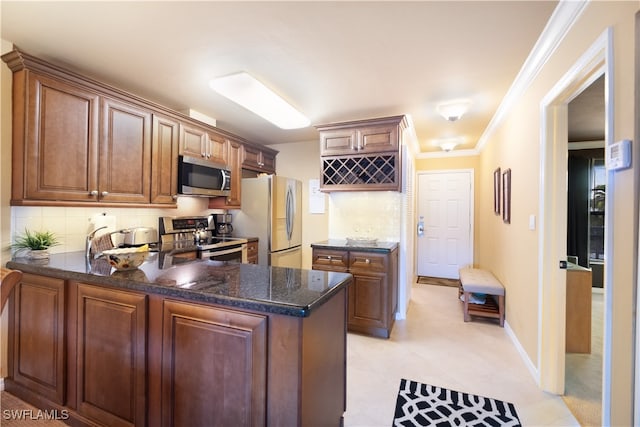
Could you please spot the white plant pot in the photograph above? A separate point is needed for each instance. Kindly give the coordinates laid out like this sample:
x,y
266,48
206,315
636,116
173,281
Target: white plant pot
x,y
39,254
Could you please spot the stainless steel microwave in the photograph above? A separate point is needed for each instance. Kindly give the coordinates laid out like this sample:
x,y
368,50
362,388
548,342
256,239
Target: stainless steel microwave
x,y
197,177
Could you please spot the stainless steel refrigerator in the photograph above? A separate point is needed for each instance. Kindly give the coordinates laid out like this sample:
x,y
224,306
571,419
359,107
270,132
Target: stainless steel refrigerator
x,y
272,211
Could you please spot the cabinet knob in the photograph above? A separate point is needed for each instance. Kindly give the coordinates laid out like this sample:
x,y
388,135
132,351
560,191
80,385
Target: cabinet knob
x,y
93,193
104,193
367,261
174,197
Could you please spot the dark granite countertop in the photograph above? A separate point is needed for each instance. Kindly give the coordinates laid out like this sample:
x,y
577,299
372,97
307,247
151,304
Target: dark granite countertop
x,y
278,290
343,244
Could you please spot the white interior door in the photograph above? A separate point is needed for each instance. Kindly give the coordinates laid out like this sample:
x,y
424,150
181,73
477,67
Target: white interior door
x,y
445,201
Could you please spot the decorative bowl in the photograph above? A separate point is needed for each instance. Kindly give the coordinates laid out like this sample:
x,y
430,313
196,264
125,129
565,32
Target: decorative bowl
x,y
362,241
126,258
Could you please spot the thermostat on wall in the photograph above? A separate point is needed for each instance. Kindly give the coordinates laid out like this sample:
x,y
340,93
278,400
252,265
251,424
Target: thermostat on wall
x,y
619,155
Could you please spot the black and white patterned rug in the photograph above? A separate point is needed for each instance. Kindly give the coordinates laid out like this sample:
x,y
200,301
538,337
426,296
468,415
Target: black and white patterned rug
x,y
426,405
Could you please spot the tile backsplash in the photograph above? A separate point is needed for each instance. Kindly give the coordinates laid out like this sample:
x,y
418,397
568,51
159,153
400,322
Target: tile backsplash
x,y
376,214
72,225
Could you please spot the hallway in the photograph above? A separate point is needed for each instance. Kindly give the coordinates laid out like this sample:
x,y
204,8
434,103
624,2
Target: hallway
x,y
435,346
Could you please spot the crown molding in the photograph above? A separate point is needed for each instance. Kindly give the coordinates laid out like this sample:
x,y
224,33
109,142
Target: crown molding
x,y
562,20
452,153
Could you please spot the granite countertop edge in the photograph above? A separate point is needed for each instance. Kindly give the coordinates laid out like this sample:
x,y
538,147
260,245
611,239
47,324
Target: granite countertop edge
x,y
342,244
283,308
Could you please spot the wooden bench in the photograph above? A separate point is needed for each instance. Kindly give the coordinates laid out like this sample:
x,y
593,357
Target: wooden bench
x,y
478,281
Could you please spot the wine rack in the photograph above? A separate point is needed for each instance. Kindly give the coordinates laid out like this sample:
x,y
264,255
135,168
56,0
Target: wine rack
x,y
380,172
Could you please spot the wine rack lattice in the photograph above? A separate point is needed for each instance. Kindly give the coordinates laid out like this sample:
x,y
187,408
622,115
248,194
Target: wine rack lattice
x,y
376,169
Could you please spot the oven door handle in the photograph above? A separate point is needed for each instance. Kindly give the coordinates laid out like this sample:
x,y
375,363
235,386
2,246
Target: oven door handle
x,y
209,254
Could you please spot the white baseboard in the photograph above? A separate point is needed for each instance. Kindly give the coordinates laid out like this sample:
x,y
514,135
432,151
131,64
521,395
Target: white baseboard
x,y
533,370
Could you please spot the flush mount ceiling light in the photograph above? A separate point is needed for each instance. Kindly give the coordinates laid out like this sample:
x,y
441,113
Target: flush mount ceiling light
x,y
245,90
448,144
453,110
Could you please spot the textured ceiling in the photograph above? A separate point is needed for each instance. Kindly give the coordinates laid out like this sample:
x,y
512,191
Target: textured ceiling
x,y
586,114
334,61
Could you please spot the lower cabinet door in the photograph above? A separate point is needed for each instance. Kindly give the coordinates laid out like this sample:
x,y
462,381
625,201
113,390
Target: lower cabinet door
x,y
213,366
37,338
367,304
111,385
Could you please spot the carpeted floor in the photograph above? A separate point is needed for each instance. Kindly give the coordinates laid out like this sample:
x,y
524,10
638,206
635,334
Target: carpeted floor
x,y
424,280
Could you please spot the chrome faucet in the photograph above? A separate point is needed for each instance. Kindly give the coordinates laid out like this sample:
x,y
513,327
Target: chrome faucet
x,y
89,241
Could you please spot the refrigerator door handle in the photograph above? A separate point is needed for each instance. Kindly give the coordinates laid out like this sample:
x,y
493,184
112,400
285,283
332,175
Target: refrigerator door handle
x,y
290,213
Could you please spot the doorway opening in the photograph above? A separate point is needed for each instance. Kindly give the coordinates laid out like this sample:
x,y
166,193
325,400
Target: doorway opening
x,y
594,64
586,198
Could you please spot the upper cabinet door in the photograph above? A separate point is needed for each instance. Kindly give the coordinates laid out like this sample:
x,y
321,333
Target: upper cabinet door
x,y
217,148
234,163
193,141
125,153
257,160
376,139
338,141
59,152
164,160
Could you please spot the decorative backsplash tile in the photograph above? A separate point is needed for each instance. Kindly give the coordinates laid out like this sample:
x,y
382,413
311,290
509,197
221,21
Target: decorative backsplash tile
x,y
374,214
72,225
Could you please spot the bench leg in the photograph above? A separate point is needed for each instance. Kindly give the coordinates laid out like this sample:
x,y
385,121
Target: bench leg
x,y
501,309
467,317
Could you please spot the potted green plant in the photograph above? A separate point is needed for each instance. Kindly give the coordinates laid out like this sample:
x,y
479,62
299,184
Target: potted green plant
x,y
36,242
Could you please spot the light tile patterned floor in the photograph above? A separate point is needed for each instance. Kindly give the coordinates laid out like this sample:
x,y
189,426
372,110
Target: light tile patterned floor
x,y
435,346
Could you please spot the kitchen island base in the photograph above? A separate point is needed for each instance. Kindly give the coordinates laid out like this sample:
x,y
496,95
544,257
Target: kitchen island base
x,y
105,356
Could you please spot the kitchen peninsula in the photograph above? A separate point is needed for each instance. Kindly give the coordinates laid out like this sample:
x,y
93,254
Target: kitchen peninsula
x,y
199,343
373,296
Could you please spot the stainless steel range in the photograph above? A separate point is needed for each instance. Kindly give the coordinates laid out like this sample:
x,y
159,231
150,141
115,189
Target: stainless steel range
x,y
198,232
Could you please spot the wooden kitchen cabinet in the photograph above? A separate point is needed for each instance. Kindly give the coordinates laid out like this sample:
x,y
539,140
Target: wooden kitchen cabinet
x,y
79,142
198,141
125,153
111,355
164,160
258,160
362,155
252,251
234,163
373,295
37,337
76,142
55,148
214,366
102,353
360,137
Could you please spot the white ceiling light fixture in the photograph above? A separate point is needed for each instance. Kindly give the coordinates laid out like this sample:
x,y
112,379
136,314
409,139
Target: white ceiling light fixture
x,y
453,110
448,144
245,90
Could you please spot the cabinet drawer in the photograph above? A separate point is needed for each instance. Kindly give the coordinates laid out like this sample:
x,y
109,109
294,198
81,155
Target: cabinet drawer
x,y
326,259
368,261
